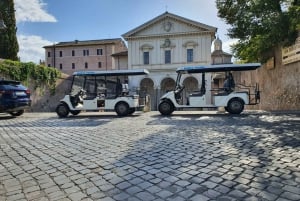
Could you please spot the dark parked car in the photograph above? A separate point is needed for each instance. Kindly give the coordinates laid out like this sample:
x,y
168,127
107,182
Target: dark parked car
x,y
14,97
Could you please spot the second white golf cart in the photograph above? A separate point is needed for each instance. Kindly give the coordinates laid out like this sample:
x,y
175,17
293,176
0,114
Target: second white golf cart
x,y
230,96
101,90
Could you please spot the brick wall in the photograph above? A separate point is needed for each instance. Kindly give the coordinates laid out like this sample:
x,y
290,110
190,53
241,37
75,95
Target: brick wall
x,y
279,85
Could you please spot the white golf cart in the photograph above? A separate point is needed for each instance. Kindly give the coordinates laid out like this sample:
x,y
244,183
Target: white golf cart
x,y
101,91
230,96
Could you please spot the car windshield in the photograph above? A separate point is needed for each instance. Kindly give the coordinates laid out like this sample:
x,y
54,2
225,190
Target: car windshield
x,y
11,85
9,82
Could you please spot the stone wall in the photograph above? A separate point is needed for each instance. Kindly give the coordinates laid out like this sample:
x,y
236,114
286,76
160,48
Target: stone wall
x,y
43,100
279,85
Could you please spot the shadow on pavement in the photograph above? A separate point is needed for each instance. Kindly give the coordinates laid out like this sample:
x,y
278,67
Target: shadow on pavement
x,y
81,120
231,157
6,117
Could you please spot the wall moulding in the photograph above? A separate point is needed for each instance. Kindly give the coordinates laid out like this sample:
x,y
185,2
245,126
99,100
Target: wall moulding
x,y
190,44
146,47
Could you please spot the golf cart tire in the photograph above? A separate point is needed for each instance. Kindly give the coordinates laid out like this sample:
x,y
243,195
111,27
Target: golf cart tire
x,y
122,109
75,112
62,110
166,107
235,106
17,113
131,110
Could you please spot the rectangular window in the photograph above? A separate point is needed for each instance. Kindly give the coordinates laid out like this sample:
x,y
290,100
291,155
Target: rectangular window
x,y
190,55
73,53
49,54
60,54
146,57
86,65
60,66
99,65
167,56
73,65
49,65
99,52
86,52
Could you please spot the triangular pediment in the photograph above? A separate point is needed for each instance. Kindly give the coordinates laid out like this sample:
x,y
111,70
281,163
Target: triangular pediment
x,y
167,24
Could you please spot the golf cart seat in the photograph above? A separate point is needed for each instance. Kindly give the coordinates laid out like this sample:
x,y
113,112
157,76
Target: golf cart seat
x,y
222,92
197,93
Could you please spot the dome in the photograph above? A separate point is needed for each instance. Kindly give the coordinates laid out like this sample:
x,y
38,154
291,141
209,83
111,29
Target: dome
x,y
218,44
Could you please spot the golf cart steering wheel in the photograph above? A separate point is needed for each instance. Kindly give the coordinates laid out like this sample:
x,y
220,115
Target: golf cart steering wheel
x,y
82,92
179,89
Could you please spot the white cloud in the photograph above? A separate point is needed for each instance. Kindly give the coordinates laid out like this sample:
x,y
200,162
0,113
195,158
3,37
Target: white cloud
x,y
32,11
31,48
226,45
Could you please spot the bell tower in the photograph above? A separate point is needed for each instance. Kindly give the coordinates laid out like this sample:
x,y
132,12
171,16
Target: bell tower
x,y
218,44
218,56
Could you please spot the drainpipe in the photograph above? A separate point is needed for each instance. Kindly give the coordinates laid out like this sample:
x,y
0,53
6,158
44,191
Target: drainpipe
x,y
54,56
118,62
105,50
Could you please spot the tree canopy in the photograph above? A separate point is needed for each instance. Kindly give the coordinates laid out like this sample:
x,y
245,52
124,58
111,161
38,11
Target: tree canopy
x,y
9,46
260,26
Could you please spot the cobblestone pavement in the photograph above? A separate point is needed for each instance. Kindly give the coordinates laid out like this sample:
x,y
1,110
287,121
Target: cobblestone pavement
x,y
196,157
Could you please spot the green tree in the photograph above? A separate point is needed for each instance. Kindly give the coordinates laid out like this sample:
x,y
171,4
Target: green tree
x,y
260,26
9,46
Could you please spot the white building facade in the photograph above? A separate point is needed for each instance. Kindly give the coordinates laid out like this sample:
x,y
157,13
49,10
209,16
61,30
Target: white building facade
x,y
163,44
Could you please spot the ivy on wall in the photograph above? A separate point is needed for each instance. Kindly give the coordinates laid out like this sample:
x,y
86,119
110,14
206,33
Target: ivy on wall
x,y
25,72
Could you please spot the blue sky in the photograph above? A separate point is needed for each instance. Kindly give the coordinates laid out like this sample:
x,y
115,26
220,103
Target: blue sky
x,y
45,22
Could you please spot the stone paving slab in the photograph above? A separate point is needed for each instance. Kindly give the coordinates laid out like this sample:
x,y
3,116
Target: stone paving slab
x,y
187,156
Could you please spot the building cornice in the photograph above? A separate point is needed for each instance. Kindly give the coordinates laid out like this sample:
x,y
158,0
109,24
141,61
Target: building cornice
x,y
175,35
77,43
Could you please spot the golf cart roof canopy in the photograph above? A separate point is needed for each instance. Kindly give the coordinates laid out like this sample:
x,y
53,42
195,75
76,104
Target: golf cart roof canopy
x,y
218,68
112,72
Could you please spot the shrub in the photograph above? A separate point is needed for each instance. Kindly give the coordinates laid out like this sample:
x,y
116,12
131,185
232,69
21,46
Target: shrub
x,y
38,74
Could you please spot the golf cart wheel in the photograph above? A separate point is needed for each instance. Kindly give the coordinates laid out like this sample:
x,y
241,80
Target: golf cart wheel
x,y
131,110
122,109
166,108
75,112
235,106
62,110
17,113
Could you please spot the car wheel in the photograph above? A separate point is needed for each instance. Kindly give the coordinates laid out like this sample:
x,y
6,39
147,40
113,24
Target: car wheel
x,y
235,106
17,113
75,112
122,109
166,108
62,110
